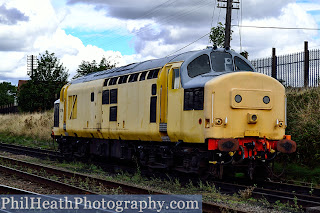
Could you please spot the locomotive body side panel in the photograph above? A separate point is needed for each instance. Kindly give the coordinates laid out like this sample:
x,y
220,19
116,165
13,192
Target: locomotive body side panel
x,y
83,109
133,118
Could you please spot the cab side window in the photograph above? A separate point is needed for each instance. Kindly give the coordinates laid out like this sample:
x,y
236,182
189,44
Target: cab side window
x,y
175,79
199,66
241,65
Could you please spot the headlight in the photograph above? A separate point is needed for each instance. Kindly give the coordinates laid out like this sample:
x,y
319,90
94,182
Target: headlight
x,y
254,117
238,98
266,99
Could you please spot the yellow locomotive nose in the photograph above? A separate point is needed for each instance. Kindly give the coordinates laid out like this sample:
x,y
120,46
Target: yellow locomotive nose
x,y
252,102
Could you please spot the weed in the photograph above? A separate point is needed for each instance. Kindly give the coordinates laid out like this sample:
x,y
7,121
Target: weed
x,y
311,189
246,193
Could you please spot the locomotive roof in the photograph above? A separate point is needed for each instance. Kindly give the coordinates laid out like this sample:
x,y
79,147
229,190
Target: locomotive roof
x,y
186,80
134,67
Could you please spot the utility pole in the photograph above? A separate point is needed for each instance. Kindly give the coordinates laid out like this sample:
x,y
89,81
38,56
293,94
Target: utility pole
x,y
229,5
31,64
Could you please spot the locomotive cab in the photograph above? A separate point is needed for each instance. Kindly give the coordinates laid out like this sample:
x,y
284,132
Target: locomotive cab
x,y
244,111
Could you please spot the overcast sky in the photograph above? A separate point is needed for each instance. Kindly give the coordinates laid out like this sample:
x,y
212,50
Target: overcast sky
x,y
135,30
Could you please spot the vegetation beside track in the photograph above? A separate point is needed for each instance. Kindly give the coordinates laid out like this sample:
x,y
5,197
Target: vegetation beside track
x,y
303,115
28,129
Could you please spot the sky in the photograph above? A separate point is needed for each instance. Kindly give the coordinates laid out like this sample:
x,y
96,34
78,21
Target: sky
x,y
127,31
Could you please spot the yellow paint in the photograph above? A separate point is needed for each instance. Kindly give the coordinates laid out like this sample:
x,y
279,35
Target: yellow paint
x,y
249,133
213,162
222,117
225,88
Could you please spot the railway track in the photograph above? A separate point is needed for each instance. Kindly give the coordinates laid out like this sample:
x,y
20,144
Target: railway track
x,y
297,195
35,152
128,189
272,191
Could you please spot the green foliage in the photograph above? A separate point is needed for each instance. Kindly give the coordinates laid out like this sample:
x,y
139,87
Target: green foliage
x,y
245,54
49,69
7,93
39,93
87,67
217,35
303,115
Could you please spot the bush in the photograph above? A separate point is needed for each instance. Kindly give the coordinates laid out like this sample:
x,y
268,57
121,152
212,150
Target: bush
x,y
303,115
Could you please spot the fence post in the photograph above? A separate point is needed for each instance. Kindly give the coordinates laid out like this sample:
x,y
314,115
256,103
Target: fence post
x,y
306,64
274,64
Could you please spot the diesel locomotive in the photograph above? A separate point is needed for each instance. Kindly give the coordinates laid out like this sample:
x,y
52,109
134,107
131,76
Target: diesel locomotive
x,y
195,112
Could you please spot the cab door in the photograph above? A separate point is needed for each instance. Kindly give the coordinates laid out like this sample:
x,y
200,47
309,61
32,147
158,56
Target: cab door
x,y
171,96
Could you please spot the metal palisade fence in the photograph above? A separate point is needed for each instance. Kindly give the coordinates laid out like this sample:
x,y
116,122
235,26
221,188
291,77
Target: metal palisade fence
x,y
300,69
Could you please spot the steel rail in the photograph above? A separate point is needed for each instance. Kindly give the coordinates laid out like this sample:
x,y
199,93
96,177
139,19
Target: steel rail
x,y
30,151
272,195
59,185
12,190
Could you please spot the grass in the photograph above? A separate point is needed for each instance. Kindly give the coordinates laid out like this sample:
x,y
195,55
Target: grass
x,y
28,129
301,173
35,125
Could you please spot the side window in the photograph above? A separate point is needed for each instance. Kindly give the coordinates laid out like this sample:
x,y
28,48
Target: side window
x,y
56,115
133,77
105,96
113,109
154,89
113,113
153,109
120,80
123,79
92,97
113,81
143,76
193,99
150,74
113,96
175,79
241,65
199,66
153,74
105,83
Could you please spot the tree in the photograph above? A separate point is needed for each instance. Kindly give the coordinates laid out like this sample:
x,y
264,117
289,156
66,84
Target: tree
x,y
87,67
217,35
43,89
245,54
49,69
8,93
